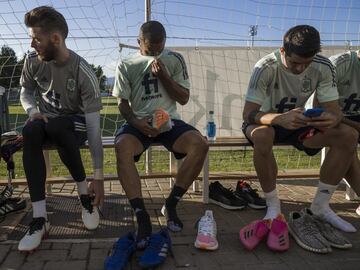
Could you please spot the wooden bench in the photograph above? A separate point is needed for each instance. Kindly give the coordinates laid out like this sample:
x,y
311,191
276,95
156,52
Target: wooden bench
x,y
221,142
108,142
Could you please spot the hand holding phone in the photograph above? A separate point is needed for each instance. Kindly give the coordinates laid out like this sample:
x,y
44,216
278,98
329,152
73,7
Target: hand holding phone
x,y
314,112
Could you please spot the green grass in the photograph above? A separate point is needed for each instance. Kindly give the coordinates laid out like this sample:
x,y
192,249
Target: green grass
x,y
220,161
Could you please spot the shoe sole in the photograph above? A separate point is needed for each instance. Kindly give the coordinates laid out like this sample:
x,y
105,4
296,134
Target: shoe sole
x,y
204,246
255,206
346,246
45,236
228,207
306,247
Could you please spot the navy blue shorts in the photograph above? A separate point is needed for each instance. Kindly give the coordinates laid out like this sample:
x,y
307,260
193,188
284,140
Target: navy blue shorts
x,y
292,137
167,139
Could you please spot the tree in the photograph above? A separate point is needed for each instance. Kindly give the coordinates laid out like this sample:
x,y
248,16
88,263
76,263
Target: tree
x,y
100,76
10,68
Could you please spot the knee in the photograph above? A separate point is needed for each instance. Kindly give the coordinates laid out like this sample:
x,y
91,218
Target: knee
x,y
199,146
347,138
263,139
32,131
123,151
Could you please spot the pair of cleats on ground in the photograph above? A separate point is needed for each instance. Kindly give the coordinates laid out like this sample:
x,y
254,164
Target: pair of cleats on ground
x,y
275,230
155,252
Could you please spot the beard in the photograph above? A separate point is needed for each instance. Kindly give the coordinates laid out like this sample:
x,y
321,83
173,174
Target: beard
x,y
48,54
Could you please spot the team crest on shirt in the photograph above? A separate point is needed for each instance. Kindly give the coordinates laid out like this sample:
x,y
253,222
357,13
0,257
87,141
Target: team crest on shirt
x,y
70,85
306,85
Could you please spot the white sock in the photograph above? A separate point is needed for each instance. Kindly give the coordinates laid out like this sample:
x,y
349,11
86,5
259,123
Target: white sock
x,y
320,206
39,209
273,205
82,187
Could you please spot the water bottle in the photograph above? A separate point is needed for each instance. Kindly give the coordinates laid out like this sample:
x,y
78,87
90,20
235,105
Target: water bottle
x,y
211,127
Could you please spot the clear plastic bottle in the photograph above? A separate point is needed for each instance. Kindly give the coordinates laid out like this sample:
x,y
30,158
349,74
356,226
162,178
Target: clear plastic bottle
x,y
211,127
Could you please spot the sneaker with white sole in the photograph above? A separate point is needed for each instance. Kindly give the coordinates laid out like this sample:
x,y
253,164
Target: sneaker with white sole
x,y
38,229
206,237
89,213
306,233
331,234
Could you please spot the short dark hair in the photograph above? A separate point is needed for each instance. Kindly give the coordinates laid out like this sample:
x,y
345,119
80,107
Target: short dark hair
x,y
48,19
303,40
152,31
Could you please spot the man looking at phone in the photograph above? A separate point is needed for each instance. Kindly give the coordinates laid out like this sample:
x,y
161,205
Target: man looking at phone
x,y
348,83
279,87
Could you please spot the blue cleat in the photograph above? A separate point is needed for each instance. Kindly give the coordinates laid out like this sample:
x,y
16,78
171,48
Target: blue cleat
x,y
121,253
157,250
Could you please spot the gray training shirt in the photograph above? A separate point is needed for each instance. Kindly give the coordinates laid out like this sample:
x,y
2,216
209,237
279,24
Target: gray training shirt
x,y
68,89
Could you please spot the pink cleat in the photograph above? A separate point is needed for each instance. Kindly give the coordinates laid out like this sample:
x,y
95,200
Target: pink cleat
x,y
252,234
278,239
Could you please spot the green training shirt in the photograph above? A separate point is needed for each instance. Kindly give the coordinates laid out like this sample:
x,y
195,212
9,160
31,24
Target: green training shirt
x,y
135,82
348,81
277,89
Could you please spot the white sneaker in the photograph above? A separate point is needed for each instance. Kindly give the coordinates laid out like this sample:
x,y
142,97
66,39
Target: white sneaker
x,y
89,213
358,210
206,237
38,229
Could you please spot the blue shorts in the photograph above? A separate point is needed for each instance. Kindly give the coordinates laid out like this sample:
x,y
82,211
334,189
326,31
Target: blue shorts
x,y
167,139
293,137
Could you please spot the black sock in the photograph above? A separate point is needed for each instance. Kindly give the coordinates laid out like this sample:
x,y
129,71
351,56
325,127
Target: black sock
x,y
142,217
171,202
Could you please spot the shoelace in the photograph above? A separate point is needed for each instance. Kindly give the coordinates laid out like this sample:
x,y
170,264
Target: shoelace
x,y
228,192
309,227
206,227
36,225
6,193
86,203
155,244
245,186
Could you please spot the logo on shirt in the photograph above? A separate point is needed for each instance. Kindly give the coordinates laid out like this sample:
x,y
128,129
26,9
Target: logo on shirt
x,y
284,105
70,85
353,102
306,85
151,88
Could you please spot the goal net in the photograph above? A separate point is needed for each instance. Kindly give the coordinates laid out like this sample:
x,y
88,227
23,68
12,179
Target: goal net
x,y
220,42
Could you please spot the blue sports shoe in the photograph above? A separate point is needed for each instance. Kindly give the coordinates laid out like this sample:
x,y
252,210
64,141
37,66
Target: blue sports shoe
x,y
122,250
157,250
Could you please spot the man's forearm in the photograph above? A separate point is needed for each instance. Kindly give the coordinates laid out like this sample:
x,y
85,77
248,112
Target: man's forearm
x,y
261,118
127,113
175,91
28,101
95,143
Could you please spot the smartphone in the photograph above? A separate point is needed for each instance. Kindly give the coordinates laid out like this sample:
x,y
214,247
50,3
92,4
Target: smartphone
x,y
314,112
